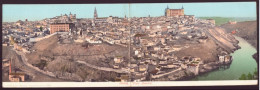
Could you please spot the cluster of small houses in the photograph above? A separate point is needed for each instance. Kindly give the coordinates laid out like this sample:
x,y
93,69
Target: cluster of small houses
x,y
224,58
23,32
157,29
146,68
157,32
141,69
97,37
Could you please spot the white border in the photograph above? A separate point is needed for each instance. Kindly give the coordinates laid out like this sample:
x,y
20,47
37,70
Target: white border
x,y
127,84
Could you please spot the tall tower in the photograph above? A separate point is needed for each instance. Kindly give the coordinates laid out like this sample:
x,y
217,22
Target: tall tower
x,y
95,13
182,10
165,12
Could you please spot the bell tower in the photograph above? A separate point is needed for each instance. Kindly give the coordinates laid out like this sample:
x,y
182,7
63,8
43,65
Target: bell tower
x,y
95,13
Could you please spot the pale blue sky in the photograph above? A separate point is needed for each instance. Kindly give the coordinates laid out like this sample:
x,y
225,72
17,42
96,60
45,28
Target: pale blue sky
x,y
14,12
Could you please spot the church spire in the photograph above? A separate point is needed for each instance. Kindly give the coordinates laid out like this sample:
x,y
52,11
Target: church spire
x,y
182,7
165,12
95,13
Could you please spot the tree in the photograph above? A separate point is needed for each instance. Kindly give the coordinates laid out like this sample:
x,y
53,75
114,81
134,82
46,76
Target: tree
x,y
41,28
243,77
255,76
249,76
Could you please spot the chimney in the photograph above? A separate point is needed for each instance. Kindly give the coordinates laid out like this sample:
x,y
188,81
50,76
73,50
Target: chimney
x,y
10,66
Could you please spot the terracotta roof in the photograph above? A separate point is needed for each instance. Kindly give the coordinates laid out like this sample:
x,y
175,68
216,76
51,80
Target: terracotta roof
x,y
192,65
17,74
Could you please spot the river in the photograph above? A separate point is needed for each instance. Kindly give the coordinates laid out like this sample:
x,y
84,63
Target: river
x,y
242,63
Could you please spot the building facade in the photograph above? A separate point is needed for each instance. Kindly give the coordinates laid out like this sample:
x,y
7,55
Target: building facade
x,y
61,27
174,12
110,19
71,18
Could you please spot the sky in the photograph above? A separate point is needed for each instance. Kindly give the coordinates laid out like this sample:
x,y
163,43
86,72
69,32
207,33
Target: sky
x,y
32,12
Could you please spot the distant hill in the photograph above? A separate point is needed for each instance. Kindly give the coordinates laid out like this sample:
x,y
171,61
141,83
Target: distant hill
x,y
223,20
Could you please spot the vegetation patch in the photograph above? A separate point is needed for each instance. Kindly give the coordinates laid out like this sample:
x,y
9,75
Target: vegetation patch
x,y
41,64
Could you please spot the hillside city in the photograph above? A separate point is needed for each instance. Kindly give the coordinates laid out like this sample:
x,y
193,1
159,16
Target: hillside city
x,y
66,48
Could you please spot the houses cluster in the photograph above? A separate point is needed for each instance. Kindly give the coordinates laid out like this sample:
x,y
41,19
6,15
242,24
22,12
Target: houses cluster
x,y
191,64
155,39
20,38
224,58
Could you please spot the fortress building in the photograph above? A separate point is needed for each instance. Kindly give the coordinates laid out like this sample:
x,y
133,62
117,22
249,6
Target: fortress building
x,y
71,18
61,27
174,12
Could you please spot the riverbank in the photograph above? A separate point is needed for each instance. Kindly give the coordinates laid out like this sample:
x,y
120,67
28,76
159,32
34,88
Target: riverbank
x,y
242,63
246,30
206,69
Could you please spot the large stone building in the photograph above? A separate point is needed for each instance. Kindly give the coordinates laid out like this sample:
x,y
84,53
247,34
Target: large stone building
x,y
71,18
61,27
174,12
110,19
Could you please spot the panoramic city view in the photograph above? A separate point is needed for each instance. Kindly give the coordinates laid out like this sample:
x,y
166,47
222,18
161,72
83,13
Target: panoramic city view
x,y
129,42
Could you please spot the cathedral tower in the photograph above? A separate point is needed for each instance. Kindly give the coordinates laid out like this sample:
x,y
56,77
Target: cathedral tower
x,y
95,13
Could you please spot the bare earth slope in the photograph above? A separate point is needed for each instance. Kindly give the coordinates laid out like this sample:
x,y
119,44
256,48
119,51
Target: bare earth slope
x,y
217,41
246,30
61,59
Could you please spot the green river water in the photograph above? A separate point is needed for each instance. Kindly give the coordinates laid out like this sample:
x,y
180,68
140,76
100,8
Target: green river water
x,y
243,62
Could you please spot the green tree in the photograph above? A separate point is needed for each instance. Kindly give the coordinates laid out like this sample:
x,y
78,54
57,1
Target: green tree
x,y
243,77
249,76
255,76
41,28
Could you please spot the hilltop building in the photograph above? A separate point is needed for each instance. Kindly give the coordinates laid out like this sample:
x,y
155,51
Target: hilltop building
x,y
64,18
61,27
110,19
174,12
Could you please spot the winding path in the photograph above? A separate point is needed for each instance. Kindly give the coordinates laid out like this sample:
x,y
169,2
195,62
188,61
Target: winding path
x,y
105,68
160,75
24,60
34,71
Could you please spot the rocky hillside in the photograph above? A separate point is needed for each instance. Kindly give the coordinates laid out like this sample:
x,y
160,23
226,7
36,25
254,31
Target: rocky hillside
x,y
246,30
218,40
222,38
61,59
